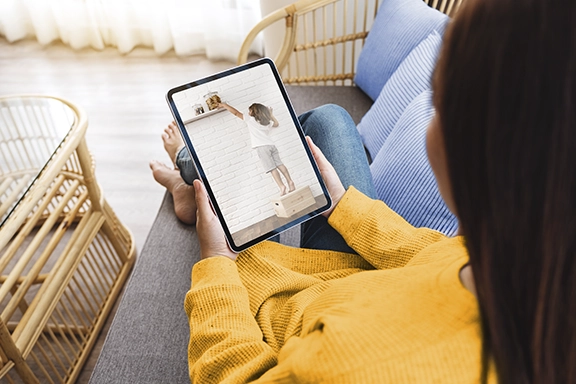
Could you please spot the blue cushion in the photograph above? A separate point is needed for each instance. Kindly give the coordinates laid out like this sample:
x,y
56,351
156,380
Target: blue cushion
x,y
402,175
410,79
399,27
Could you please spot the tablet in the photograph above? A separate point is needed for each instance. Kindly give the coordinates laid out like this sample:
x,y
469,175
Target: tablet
x,y
250,151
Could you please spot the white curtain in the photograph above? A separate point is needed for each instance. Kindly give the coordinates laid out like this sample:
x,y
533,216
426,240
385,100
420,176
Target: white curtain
x,y
213,27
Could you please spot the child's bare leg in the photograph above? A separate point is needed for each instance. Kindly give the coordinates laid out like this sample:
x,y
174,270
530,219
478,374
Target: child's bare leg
x,y
286,174
172,141
183,194
278,179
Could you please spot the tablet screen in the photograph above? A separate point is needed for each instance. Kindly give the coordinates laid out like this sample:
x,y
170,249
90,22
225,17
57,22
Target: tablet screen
x,y
249,150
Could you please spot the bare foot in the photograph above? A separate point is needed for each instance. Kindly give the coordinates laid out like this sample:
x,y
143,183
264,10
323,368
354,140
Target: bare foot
x,y
282,190
292,186
183,194
172,141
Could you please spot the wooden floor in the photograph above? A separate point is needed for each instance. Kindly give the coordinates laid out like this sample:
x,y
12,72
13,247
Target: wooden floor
x,y
123,96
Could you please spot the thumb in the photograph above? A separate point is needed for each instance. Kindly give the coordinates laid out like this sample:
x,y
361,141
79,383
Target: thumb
x,y
202,202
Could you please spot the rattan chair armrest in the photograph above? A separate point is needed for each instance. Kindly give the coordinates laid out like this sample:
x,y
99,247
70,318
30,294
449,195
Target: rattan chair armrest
x,y
264,23
287,13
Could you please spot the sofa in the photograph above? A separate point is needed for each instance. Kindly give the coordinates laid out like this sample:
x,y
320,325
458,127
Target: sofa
x,y
391,103
148,339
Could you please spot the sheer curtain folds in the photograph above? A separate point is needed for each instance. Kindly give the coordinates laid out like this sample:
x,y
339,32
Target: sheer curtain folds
x,y
214,27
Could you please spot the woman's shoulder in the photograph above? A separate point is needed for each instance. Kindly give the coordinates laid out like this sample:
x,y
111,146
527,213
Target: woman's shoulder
x,y
445,251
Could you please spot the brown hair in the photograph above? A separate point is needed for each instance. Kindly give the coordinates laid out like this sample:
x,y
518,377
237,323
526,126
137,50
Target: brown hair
x,y
261,113
505,94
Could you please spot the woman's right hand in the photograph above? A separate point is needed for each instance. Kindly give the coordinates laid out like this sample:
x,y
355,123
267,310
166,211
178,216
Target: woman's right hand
x,y
210,234
333,183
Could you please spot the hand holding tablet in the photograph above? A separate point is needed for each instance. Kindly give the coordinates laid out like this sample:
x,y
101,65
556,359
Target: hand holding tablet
x,y
250,152
329,175
210,233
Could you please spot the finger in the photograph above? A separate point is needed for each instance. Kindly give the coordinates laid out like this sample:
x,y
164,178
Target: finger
x,y
315,150
202,203
318,155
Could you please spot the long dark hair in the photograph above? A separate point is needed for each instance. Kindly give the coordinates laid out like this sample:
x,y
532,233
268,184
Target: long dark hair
x,y
261,113
505,94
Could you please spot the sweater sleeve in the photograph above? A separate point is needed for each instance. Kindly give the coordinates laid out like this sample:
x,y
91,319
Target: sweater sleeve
x,y
226,343
377,233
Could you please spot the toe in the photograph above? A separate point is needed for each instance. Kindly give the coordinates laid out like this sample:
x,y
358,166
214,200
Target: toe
x,y
155,164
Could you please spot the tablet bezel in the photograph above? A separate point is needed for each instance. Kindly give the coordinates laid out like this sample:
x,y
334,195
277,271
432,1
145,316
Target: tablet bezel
x,y
200,171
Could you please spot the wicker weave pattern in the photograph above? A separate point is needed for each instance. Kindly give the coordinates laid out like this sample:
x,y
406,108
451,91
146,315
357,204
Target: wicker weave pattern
x,y
64,255
323,38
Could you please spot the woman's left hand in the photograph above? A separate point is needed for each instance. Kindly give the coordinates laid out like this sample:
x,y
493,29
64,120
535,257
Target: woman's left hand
x,y
210,233
333,183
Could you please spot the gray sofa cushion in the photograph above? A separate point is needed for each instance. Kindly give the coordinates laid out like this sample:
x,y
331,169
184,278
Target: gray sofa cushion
x,y
305,98
148,339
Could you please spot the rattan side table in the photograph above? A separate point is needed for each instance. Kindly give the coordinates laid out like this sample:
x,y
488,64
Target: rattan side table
x,y
64,255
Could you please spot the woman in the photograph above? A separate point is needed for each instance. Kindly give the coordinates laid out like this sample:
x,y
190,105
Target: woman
x,y
495,304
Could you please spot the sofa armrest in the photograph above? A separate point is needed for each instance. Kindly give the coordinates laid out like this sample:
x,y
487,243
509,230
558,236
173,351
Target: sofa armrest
x,y
316,49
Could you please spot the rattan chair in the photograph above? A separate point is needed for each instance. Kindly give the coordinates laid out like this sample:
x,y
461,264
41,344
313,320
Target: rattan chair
x,y
323,38
64,255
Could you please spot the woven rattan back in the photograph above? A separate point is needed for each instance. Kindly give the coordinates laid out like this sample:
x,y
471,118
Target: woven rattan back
x,y
323,38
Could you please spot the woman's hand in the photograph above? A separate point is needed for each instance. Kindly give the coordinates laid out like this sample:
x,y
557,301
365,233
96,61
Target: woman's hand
x,y
210,233
333,183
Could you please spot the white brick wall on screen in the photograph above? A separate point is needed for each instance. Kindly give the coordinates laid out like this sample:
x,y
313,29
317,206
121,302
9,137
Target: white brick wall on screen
x,y
222,142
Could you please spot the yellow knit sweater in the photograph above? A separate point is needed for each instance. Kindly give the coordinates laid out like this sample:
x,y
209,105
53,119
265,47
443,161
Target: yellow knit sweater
x,y
397,313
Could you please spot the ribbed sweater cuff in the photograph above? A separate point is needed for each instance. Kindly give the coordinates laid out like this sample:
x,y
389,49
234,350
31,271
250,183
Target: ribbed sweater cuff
x,y
352,209
215,271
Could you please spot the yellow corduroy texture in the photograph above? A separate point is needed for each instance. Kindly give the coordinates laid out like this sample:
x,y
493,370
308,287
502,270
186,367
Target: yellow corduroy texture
x,y
395,313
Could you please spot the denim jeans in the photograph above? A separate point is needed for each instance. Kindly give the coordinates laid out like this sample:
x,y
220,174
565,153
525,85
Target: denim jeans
x,y
334,132
186,166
